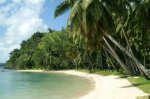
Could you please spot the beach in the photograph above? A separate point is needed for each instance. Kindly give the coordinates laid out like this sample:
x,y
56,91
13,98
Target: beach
x,y
106,87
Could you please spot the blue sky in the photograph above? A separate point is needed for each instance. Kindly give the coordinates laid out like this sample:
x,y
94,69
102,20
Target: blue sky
x,y
19,19
48,15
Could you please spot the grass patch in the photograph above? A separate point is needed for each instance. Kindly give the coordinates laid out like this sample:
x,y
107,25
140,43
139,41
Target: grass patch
x,y
100,72
106,73
143,97
141,83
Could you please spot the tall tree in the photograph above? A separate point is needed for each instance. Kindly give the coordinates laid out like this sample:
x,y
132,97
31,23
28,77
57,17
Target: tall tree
x,y
92,20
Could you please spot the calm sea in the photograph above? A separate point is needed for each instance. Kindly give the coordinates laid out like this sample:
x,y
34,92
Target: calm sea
x,y
28,85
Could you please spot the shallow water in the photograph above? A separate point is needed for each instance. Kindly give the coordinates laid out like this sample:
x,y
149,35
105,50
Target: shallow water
x,y
28,85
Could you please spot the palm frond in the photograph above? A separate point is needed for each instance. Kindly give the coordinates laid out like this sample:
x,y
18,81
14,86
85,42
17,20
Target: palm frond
x,y
62,7
76,9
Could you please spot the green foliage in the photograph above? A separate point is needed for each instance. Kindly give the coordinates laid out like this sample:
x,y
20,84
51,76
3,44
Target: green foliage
x,y
101,34
23,58
63,5
96,21
54,50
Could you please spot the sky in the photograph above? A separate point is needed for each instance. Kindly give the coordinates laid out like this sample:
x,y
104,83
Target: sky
x,y
19,19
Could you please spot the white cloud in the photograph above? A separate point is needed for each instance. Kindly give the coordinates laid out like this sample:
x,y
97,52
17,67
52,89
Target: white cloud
x,y
21,19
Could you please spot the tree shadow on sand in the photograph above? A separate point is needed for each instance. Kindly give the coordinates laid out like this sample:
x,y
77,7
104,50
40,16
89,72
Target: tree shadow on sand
x,y
133,85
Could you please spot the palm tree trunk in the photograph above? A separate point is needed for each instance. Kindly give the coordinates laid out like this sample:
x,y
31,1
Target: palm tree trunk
x,y
128,44
110,60
130,64
139,65
125,36
115,55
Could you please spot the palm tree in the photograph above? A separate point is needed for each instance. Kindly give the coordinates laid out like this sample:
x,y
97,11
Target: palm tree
x,y
91,20
141,18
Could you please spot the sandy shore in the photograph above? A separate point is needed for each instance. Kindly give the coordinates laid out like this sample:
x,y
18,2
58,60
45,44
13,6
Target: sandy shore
x,y
109,87
106,87
30,70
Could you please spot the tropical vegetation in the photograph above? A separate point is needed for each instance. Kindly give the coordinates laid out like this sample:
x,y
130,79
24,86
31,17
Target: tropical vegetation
x,y
100,34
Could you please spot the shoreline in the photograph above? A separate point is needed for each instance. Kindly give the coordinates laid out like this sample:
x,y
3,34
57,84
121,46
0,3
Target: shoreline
x,y
29,70
106,87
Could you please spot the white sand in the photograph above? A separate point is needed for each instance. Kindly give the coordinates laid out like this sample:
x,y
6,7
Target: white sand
x,y
106,87
109,87
30,70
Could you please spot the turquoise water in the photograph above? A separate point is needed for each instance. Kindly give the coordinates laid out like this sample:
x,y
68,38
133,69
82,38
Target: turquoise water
x,y
28,85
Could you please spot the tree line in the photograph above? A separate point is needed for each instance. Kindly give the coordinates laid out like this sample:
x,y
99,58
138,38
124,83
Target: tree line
x,y
100,34
54,50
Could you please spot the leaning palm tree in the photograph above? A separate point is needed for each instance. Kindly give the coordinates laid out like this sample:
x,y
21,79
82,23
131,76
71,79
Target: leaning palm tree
x,y
91,20
142,27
